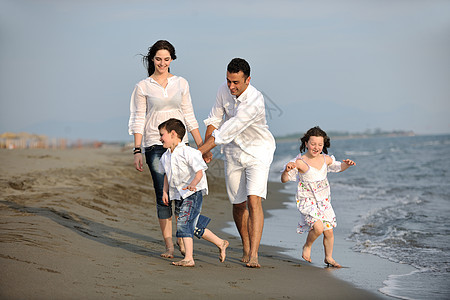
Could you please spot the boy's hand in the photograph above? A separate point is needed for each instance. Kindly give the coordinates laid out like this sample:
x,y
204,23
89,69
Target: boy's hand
x,y
192,188
165,198
349,162
289,166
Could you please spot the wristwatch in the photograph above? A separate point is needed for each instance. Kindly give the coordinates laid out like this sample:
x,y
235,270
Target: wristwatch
x,y
137,150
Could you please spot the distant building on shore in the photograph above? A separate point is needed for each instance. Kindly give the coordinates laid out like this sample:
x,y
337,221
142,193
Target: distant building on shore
x,y
23,140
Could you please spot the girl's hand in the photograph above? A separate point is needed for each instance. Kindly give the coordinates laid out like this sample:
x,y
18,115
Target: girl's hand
x,y
289,166
192,188
138,162
349,162
165,198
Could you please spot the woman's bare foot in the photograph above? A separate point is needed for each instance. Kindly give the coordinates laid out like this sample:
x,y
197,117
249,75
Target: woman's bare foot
x,y
331,262
245,258
306,254
253,263
184,263
168,253
223,250
180,245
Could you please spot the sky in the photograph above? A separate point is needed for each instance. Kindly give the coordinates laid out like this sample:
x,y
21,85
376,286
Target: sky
x,y
67,68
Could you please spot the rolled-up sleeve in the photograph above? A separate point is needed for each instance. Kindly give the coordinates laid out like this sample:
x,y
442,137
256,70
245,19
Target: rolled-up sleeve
x,y
186,107
245,116
138,108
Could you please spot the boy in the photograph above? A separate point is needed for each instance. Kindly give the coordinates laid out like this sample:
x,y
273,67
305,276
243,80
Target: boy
x,y
185,182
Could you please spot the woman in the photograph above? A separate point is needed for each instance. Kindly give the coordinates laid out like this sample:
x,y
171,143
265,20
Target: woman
x,y
157,98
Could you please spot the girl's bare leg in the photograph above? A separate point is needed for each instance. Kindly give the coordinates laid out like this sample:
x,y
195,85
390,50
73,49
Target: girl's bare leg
x,y
188,260
313,234
328,241
221,244
166,229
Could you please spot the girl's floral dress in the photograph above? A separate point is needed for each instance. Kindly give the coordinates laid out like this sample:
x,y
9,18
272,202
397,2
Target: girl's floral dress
x,y
313,196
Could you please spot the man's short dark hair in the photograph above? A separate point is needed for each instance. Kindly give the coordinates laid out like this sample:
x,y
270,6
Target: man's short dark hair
x,y
174,124
239,64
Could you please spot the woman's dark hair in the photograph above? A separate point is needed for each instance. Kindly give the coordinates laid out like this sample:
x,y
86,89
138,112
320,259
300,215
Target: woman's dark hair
x,y
159,45
174,124
239,64
315,131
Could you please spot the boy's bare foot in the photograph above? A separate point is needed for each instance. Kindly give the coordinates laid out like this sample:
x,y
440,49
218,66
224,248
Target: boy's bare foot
x,y
331,262
253,263
223,250
184,263
306,254
168,253
180,245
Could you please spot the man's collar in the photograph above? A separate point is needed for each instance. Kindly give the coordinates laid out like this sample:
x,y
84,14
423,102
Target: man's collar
x,y
242,96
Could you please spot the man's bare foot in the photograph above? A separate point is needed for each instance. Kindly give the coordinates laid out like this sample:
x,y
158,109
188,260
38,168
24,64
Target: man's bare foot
x,y
331,262
184,263
306,254
253,263
180,245
223,250
168,253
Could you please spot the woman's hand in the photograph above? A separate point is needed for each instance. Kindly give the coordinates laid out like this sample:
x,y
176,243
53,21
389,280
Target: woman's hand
x,y
165,198
138,162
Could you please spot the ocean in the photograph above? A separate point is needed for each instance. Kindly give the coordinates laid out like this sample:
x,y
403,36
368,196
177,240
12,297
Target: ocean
x,y
391,210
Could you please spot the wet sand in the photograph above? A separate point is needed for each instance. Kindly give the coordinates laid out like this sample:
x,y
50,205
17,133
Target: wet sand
x,y
81,224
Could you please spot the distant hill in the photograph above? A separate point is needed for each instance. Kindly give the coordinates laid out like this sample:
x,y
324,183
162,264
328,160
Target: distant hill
x,y
350,135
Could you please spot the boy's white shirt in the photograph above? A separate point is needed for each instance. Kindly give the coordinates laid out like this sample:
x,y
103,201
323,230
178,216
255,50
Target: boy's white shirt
x,y
180,167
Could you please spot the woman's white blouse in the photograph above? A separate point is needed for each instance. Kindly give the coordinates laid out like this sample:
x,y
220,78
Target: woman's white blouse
x,y
151,104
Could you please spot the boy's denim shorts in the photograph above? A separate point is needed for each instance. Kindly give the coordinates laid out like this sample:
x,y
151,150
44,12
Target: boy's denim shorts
x,y
189,221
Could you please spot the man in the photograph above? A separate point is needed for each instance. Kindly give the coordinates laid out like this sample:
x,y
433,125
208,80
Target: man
x,y
237,121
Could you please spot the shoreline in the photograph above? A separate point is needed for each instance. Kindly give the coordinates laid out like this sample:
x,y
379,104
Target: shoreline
x,y
355,264
81,224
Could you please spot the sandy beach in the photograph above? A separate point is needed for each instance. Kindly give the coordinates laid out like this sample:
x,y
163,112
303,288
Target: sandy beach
x,y
81,224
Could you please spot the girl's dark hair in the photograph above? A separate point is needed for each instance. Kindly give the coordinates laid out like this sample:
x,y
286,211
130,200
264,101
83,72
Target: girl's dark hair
x,y
315,131
159,45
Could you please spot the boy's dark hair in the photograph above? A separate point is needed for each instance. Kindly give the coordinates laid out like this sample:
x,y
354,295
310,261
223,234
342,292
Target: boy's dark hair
x,y
315,131
174,124
239,64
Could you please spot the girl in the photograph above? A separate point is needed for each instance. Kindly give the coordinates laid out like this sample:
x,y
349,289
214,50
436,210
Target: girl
x,y
156,99
313,191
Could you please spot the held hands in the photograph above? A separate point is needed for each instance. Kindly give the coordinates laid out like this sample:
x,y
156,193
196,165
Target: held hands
x,y
207,157
138,162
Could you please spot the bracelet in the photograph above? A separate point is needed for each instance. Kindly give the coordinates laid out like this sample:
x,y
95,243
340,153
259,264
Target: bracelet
x,y
137,150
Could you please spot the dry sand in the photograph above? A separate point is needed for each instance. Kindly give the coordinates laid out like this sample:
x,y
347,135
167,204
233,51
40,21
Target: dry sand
x,y
80,224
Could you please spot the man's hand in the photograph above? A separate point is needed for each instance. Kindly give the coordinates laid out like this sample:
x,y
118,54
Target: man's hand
x,y
207,157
